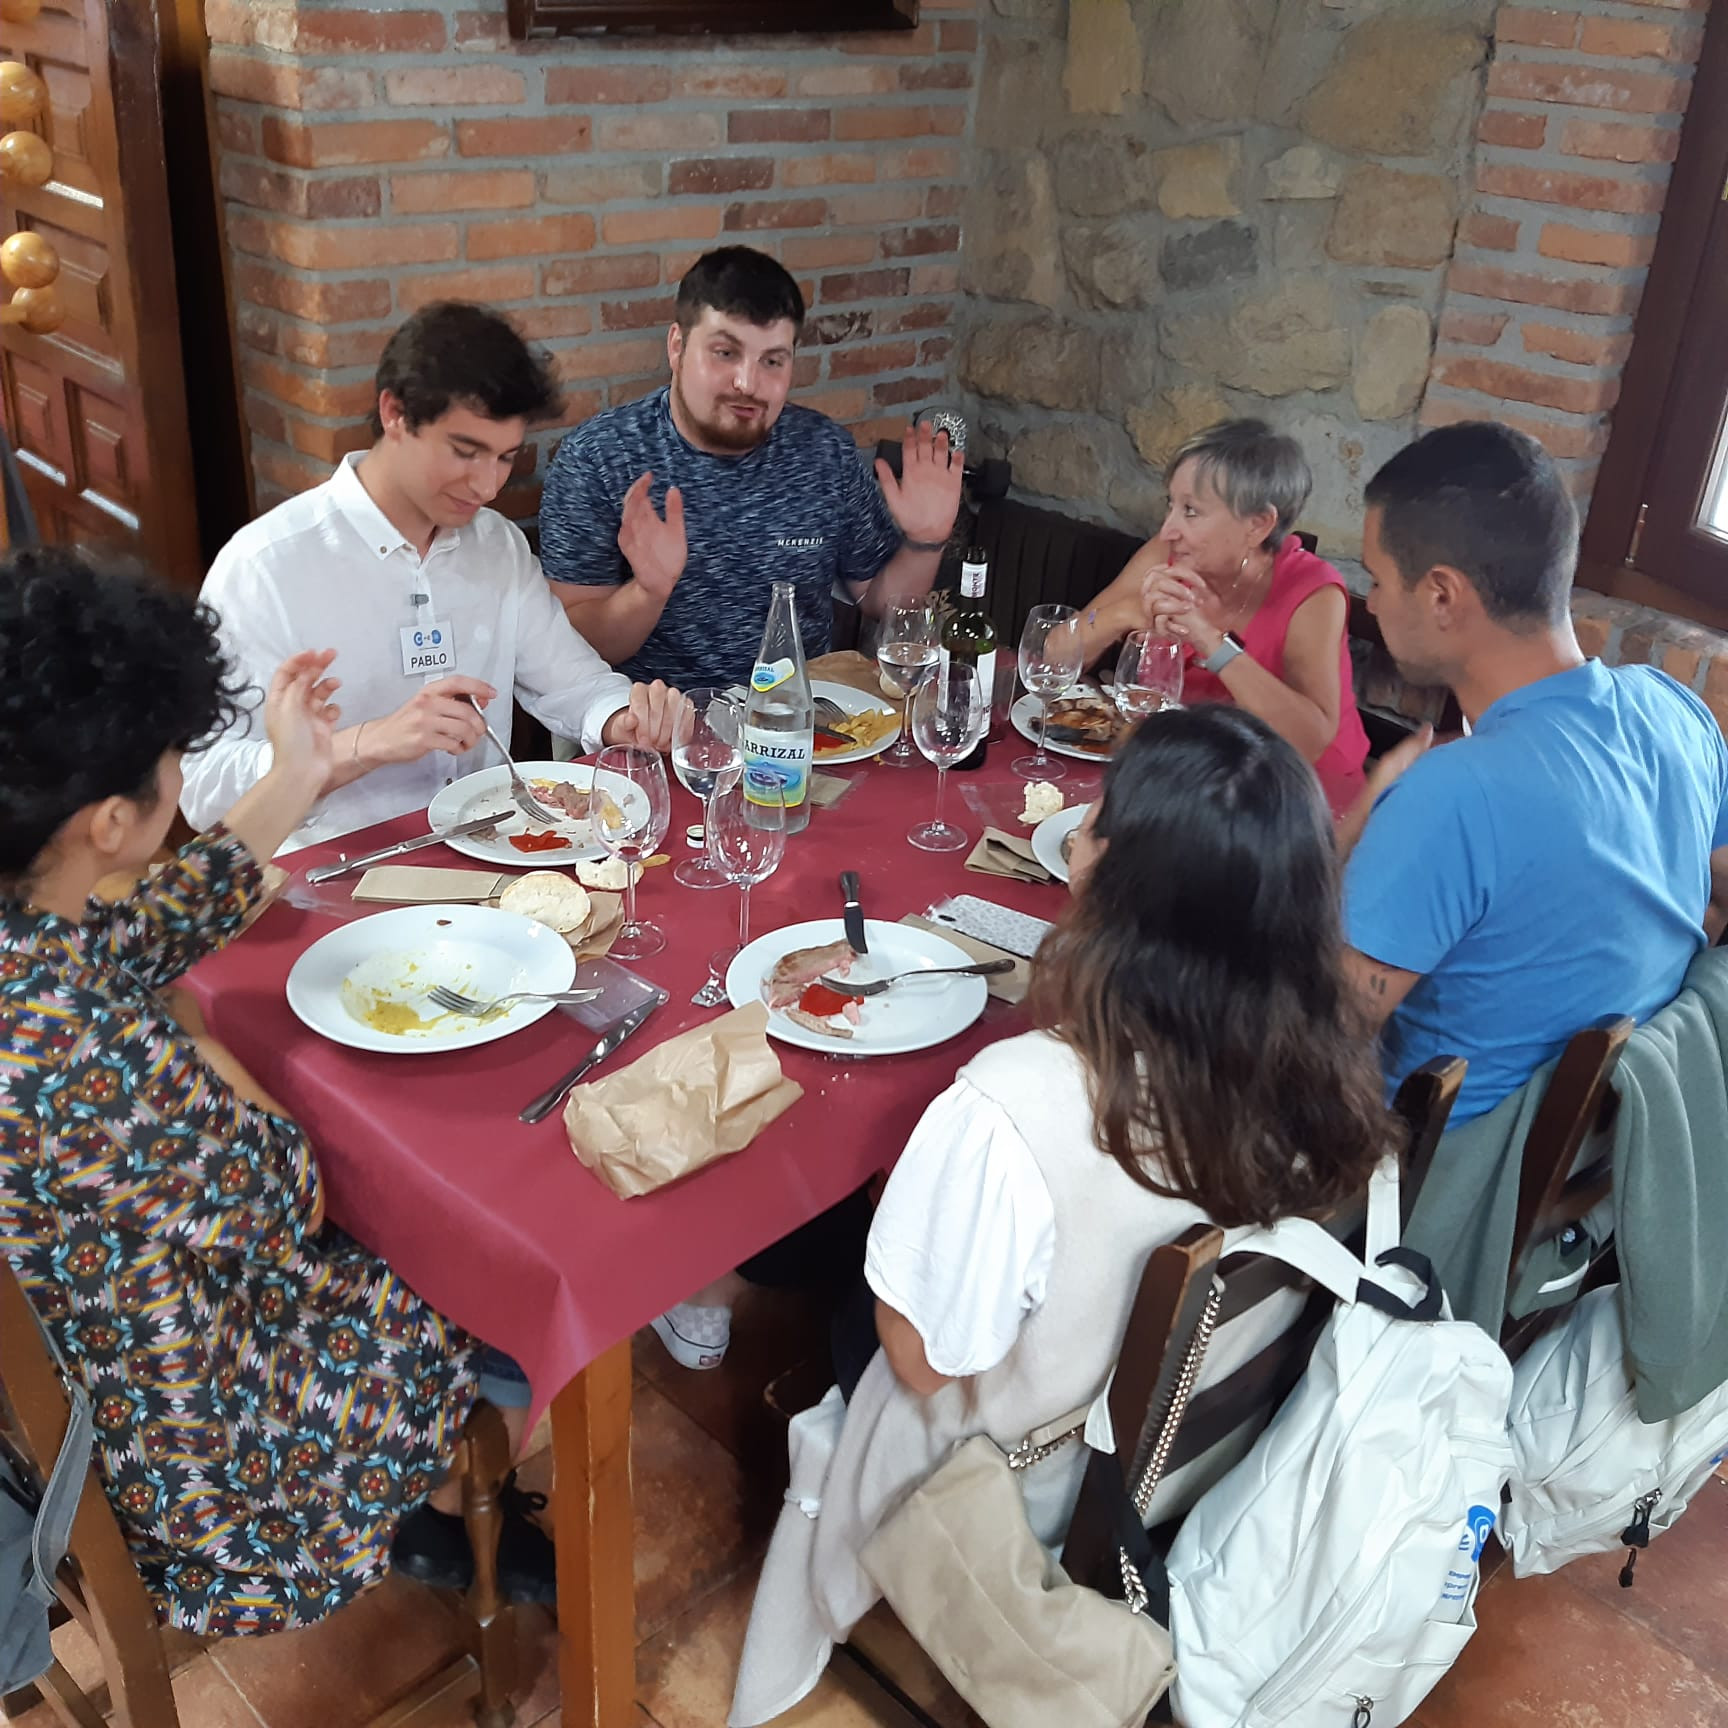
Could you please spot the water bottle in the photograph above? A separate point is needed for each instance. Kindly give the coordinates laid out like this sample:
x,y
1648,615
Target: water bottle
x,y
1460,1579
969,637
779,717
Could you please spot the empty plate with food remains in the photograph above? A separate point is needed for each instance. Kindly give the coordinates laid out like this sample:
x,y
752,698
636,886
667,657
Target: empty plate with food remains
x,y
783,969
567,789
872,723
1053,839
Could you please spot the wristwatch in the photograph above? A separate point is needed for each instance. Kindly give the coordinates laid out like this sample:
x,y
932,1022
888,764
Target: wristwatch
x,y
1223,654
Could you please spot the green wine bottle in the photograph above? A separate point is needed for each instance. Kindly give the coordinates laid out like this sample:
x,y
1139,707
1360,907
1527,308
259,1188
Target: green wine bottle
x,y
969,639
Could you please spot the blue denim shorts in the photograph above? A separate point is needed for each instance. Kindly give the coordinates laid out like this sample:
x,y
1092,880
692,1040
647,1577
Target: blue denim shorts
x,y
502,1382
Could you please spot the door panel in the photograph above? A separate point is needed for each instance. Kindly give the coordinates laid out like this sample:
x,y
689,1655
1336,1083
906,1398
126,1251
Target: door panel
x,y
98,408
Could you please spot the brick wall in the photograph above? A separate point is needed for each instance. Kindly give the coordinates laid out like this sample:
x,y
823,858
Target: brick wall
x,y
372,161
1574,146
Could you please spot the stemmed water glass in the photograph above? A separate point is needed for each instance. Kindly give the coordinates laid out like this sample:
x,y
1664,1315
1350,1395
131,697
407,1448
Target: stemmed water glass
x,y
630,822
746,839
906,654
1051,657
1148,675
708,758
950,713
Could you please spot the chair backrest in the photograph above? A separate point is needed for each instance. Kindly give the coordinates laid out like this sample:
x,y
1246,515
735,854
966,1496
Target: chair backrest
x,y
1173,1291
1565,1168
1040,557
99,1586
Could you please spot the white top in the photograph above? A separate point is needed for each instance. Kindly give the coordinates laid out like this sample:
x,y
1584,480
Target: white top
x,y
962,1242
328,570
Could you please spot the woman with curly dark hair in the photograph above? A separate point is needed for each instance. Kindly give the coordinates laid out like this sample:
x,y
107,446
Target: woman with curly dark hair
x,y
269,1399
1198,1062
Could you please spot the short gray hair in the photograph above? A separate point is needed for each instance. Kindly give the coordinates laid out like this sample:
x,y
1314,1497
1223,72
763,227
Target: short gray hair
x,y
1252,468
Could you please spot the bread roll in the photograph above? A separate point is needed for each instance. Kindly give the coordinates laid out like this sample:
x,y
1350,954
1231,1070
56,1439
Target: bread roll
x,y
549,898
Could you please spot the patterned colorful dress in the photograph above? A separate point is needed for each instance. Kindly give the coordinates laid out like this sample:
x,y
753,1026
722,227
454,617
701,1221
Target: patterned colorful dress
x,y
269,1400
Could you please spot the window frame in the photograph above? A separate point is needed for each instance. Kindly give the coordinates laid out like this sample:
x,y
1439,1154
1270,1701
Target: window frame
x,y
1641,533
542,18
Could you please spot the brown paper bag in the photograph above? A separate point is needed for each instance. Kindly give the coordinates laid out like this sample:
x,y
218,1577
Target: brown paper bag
x,y
605,918
697,1097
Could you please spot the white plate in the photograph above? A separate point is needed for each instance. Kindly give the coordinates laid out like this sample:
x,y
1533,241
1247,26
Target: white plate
x,y
911,1016
398,956
1024,714
488,790
1048,836
853,702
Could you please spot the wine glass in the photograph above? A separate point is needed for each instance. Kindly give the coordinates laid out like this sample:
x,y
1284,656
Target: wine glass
x,y
747,839
1148,675
707,757
906,654
950,713
1051,656
631,809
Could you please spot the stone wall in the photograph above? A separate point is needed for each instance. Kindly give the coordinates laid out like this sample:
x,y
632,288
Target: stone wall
x,y
1185,209
374,160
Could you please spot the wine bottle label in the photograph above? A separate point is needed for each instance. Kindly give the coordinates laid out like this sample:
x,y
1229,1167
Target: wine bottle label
x,y
773,760
771,674
972,580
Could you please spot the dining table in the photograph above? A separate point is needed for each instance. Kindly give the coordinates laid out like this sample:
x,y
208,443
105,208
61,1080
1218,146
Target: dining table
x,y
502,1228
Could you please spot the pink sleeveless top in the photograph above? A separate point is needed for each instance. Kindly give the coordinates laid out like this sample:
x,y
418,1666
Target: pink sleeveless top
x,y
1296,574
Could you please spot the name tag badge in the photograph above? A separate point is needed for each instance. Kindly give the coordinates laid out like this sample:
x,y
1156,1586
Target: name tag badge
x,y
428,649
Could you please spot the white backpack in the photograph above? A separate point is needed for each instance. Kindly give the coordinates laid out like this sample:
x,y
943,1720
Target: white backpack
x,y
1330,1577
1587,1475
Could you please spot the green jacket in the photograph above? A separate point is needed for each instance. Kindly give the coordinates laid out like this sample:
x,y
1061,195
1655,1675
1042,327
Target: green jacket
x,y
1668,1212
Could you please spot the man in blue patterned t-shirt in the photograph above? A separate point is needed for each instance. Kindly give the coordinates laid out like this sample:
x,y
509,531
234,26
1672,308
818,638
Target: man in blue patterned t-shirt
x,y
665,522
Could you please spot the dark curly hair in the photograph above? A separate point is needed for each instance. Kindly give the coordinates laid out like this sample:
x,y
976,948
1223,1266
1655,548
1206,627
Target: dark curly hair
x,y
455,353
1199,977
102,671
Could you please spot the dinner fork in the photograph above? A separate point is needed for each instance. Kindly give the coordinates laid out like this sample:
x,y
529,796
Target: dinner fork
x,y
457,1003
526,802
875,986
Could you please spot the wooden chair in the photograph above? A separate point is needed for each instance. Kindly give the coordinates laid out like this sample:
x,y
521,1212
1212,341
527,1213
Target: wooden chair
x,y
1173,1291
1555,1190
99,1587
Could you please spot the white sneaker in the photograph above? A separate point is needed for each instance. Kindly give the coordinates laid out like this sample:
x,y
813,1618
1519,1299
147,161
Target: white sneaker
x,y
695,1337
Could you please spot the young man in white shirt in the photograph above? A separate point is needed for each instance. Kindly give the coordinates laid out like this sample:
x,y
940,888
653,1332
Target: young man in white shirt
x,y
426,596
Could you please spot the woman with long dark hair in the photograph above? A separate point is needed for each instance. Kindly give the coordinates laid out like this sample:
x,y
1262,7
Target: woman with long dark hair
x,y
270,1400
1196,1061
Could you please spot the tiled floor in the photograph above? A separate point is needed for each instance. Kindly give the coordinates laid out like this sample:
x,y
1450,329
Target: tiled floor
x,y
708,1459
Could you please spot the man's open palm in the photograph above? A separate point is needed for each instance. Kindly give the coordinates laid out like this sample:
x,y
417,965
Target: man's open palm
x,y
654,547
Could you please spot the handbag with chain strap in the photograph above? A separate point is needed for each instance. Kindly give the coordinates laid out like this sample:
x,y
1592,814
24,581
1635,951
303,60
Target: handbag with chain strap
x,y
1022,1643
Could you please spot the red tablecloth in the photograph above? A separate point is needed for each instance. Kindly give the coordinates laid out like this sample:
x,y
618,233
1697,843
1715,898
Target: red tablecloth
x,y
498,1224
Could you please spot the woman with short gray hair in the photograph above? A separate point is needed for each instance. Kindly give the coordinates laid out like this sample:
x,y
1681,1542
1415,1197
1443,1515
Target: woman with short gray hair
x,y
1261,619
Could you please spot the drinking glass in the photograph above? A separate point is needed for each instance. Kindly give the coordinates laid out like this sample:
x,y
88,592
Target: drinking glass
x,y
746,839
1148,675
707,757
906,655
630,822
1051,657
950,713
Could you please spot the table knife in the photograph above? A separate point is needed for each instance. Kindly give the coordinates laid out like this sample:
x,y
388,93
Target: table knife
x,y
326,872
854,912
543,1106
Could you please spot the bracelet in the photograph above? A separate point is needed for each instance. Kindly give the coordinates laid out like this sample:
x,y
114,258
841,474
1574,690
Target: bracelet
x,y
912,545
355,752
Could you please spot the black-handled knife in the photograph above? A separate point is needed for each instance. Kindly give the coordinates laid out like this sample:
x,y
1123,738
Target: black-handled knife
x,y
854,912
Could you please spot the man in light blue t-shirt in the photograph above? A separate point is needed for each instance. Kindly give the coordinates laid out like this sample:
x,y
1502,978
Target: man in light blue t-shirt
x,y
1507,889
665,522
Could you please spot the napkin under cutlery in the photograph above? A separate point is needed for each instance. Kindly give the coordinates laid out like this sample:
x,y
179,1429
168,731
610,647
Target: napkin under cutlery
x,y
1006,986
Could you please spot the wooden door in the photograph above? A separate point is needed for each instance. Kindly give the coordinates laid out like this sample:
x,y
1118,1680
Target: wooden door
x,y
98,409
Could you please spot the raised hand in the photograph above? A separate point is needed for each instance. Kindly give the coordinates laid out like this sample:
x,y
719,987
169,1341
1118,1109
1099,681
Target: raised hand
x,y
299,717
438,716
649,720
654,547
925,499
